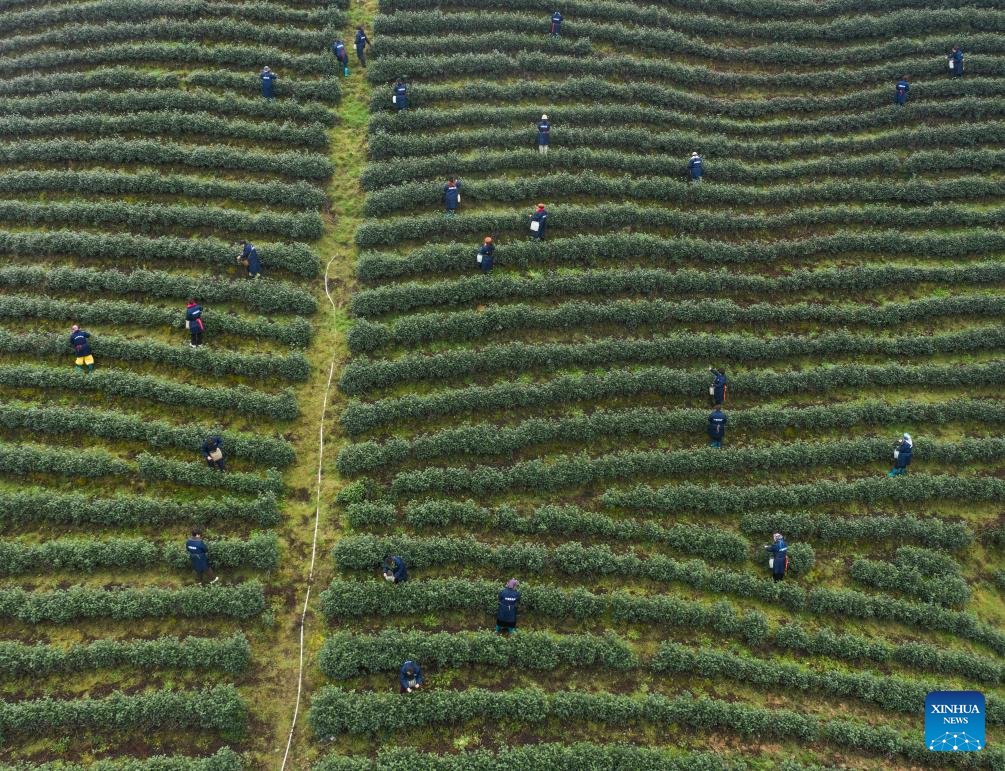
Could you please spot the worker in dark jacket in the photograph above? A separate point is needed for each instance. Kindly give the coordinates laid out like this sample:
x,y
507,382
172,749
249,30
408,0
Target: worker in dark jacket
x,y
198,555
212,452
400,95
900,95
410,677
80,342
779,559
717,427
362,41
543,135
338,48
249,258
717,391
508,600
695,167
485,255
395,570
902,453
556,24
193,322
268,78
956,62
538,222
452,195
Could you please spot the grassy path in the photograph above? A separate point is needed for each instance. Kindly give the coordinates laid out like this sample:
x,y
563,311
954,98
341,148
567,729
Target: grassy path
x,y
274,696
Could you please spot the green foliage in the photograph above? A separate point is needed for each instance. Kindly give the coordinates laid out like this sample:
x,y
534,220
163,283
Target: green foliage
x,y
62,606
228,654
219,708
87,555
660,381
224,759
296,258
291,163
154,468
927,576
280,406
344,655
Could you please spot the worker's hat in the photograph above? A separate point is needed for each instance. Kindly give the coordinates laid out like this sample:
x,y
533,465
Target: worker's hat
x,y
777,536
694,155
488,239
74,328
544,117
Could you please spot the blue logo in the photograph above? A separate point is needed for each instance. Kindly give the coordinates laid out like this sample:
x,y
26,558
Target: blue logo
x,y
954,721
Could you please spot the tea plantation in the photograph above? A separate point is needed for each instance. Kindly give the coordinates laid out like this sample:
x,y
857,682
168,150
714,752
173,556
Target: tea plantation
x,y
380,392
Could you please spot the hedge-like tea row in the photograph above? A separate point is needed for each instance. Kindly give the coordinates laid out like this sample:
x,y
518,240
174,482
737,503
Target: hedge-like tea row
x,y
165,123
896,694
297,332
292,163
224,759
931,531
930,561
711,543
226,654
260,552
164,31
424,195
660,381
345,655
219,708
489,439
79,602
107,424
335,711
490,15
131,10
296,258
388,173
382,146
542,756
266,296
292,366
366,374
739,500
22,459
299,195
979,106
368,552
582,470
887,576
325,89
242,399
404,297
152,217
41,505
156,468
165,96
922,656
614,216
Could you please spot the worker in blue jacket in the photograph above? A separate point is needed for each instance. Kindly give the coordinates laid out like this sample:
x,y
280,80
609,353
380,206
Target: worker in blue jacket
x,y
543,135
717,391
400,95
902,453
212,452
410,677
80,342
956,62
779,559
717,427
249,258
362,41
485,255
198,556
395,570
556,24
900,95
268,78
695,167
538,222
509,598
338,48
452,195
194,323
